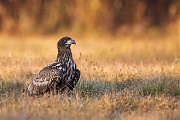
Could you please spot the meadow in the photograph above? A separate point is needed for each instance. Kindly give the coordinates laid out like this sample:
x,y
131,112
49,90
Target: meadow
x,y
121,78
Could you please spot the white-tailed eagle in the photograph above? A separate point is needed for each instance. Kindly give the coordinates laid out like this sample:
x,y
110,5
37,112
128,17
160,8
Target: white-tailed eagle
x,y
59,76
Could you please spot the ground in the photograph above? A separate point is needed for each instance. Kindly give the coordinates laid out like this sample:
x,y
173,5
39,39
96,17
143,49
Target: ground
x,y
123,78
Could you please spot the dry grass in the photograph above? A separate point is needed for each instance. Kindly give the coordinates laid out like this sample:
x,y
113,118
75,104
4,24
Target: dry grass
x,y
124,79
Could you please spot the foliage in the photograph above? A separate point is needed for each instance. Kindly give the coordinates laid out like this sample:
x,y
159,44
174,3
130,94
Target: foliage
x,y
107,16
117,82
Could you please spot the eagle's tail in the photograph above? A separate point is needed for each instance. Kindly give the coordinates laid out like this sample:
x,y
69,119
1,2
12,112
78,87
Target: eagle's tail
x,y
31,89
35,90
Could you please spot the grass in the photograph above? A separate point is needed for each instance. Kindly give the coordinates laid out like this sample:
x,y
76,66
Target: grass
x,y
125,79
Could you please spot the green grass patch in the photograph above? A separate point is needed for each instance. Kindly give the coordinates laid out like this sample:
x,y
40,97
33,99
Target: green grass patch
x,y
12,88
132,87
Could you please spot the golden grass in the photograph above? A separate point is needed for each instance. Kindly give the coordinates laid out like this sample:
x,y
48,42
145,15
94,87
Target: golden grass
x,y
122,79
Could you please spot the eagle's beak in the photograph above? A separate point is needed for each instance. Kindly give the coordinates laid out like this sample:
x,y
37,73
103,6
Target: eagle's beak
x,y
71,41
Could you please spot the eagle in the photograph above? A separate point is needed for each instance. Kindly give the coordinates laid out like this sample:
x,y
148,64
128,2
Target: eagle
x,y
59,76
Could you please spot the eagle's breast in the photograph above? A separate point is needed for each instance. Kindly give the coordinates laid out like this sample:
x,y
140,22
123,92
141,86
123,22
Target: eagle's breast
x,y
69,68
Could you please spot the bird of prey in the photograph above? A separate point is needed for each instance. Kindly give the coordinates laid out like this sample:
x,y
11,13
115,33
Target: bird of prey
x,y
59,76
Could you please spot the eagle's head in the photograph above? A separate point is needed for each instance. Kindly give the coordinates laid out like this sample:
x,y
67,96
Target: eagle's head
x,y
65,42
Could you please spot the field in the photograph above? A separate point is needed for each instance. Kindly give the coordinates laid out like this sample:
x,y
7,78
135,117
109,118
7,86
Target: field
x,y
126,78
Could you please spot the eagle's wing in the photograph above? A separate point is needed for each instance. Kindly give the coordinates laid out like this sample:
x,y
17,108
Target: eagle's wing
x,y
46,79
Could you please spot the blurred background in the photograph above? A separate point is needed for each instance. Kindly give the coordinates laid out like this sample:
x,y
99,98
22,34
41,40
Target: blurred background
x,y
90,18
128,52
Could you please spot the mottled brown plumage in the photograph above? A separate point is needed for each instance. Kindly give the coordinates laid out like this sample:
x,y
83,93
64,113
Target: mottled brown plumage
x,y
59,76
